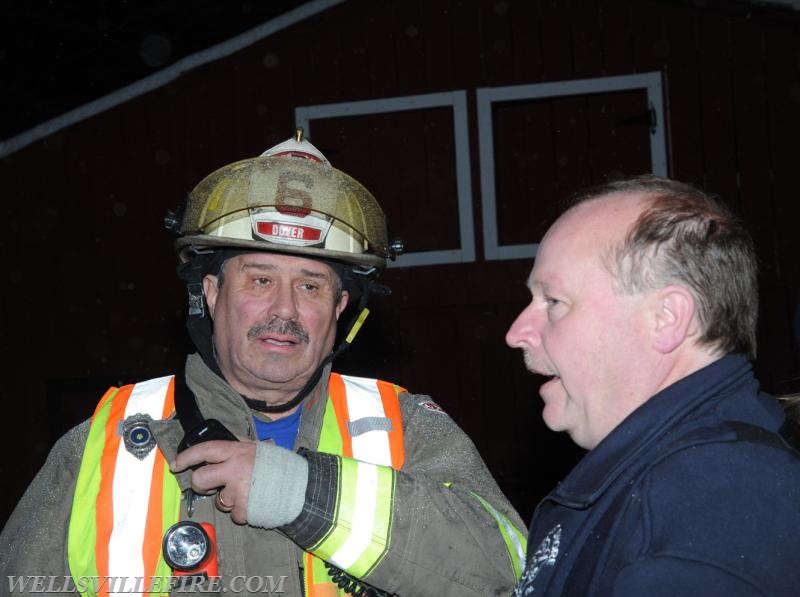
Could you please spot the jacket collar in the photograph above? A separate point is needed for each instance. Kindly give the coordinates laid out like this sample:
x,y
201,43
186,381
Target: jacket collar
x,y
703,395
218,400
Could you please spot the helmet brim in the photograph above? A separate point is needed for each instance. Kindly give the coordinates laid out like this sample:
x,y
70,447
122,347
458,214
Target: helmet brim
x,y
188,246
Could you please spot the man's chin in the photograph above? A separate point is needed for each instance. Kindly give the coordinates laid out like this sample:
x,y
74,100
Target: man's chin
x,y
553,415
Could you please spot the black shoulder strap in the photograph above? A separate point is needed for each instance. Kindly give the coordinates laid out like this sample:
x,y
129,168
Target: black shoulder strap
x,y
196,428
783,439
186,407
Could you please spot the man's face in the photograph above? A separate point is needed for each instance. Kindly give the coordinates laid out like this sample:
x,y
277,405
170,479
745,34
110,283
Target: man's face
x,y
591,340
274,321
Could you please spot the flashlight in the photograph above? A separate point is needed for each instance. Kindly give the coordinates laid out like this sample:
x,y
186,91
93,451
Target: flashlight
x,y
190,548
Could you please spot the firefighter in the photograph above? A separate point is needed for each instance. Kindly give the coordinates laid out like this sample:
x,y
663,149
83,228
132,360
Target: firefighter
x,y
258,469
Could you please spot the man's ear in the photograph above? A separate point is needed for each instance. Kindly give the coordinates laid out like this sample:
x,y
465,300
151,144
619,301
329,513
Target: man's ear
x,y
342,304
674,317
211,290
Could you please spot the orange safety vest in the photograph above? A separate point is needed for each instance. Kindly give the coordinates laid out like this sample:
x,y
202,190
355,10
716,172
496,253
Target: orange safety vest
x,y
126,498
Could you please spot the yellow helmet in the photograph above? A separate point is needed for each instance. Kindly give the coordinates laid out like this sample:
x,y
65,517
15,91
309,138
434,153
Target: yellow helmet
x,y
290,200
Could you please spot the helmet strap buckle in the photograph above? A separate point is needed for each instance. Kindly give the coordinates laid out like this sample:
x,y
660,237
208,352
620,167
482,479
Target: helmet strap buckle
x,y
197,303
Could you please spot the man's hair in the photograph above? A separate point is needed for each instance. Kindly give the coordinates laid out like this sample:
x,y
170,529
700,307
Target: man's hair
x,y
685,236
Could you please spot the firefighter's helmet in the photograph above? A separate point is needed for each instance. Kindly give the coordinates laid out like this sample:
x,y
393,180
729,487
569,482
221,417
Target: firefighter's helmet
x,y
290,200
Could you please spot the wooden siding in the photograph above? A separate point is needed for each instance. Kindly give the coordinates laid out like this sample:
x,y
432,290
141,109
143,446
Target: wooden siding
x,y
90,296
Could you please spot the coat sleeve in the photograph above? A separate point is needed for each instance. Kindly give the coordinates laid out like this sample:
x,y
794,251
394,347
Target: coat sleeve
x,y
34,539
451,531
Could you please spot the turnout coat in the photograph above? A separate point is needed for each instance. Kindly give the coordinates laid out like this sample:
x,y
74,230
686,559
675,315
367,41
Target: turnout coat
x,y
450,523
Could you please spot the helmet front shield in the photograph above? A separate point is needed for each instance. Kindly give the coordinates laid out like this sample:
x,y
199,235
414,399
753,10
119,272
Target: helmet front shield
x,y
285,204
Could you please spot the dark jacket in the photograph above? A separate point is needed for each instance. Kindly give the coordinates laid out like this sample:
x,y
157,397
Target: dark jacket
x,y
692,494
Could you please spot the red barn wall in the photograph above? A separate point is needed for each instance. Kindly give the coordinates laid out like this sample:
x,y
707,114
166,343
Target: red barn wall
x,y
90,294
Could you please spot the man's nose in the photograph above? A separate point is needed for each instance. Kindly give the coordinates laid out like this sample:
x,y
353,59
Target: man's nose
x,y
526,329
284,303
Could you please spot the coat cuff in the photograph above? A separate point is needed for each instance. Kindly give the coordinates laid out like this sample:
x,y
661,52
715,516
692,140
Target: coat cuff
x,y
318,517
278,488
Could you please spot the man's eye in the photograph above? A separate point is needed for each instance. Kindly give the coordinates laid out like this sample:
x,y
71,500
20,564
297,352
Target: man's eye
x,y
551,302
261,281
309,286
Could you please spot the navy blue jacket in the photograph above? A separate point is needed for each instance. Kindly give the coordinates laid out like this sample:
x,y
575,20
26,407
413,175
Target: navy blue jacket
x,y
694,493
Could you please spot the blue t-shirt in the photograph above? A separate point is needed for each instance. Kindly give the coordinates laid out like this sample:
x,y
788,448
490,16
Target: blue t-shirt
x,y
283,431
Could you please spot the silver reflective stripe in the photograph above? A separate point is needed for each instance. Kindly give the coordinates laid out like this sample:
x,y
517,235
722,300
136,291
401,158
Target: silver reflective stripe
x,y
364,402
365,424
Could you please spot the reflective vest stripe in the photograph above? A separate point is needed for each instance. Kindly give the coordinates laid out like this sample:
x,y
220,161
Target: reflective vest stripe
x,y
104,509
338,400
365,503
131,486
363,424
354,399
391,406
83,526
126,541
368,539
516,543
162,513
318,583
363,402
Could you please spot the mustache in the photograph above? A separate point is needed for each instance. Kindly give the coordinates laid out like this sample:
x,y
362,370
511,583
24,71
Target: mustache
x,y
536,365
279,326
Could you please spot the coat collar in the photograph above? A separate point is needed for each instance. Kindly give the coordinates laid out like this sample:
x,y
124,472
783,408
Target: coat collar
x,y
716,393
218,400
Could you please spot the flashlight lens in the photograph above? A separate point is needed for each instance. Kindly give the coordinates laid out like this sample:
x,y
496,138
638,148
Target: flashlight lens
x,y
185,545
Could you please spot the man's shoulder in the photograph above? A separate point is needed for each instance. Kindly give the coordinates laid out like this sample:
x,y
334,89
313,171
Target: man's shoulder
x,y
714,497
730,441
411,403
421,403
71,444
728,470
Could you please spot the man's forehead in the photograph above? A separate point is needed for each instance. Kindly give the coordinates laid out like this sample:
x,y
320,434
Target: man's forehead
x,y
622,208
576,243
279,262
600,220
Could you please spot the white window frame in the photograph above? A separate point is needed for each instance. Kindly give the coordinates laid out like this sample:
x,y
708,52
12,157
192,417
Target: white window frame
x,y
486,96
457,100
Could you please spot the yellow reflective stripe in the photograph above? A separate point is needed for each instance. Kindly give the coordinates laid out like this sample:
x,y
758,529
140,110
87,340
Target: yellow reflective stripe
x,y
170,513
330,441
343,513
516,543
359,537
82,532
368,540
